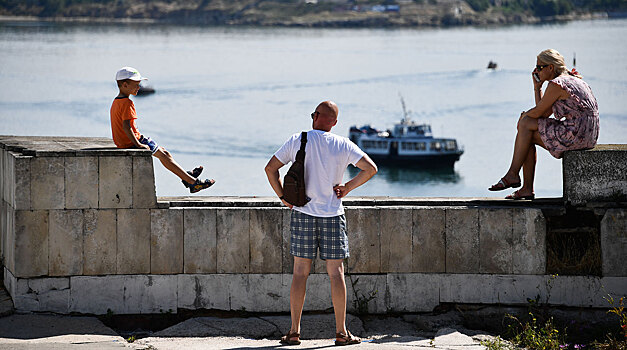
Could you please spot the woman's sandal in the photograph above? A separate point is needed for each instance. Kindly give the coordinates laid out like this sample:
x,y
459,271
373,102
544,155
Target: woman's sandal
x,y
288,338
517,196
503,184
347,339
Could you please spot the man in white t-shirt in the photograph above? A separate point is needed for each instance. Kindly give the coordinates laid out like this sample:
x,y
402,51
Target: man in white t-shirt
x,y
320,224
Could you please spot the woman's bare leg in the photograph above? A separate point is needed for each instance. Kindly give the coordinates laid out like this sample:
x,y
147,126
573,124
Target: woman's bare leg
x,y
529,165
529,170
524,140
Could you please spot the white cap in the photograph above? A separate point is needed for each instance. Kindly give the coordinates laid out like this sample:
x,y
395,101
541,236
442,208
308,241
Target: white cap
x,y
129,73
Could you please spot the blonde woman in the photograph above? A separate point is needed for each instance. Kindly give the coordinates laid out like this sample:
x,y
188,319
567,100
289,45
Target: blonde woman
x,y
574,125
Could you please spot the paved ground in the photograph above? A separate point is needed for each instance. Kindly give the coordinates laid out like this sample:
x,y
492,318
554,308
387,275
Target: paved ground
x,y
51,332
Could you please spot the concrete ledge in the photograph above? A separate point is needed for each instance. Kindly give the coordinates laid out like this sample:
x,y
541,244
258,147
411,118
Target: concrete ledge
x,y
596,175
82,231
393,292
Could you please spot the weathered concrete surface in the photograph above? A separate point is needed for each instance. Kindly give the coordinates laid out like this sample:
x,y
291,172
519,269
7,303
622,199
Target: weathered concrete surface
x,y
429,240
21,191
364,232
115,186
529,242
614,243
166,241
133,241
57,332
100,242
47,183
208,291
97,295
405,292
253,327
28,243
396,247
462,240
233,238
317,331
81,182
150,294
286,258
199,241
495,241
366,293
266,240
144,193
6,303
596,175
66,243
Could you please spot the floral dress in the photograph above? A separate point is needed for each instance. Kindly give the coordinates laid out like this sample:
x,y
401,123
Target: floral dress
x,y
576,120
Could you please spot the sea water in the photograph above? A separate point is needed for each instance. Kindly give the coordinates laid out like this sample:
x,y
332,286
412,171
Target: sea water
x,y
227,98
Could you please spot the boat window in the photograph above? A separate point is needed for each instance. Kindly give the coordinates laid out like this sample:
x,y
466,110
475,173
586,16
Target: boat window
x,y
437,146
374,144
451,145
413,146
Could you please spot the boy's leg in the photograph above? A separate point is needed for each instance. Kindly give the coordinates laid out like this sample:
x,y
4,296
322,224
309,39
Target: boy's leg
x,y
169,163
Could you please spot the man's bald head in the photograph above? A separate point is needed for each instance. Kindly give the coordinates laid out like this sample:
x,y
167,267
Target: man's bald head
x,y
325,116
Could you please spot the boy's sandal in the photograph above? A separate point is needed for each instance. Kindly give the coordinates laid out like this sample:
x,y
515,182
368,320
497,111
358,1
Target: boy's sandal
x,y
503,184
517,196
347,339
200,185
194,173
288,339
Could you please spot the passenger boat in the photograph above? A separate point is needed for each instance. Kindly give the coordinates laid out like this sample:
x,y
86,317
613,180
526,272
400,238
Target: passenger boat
x,y
409,143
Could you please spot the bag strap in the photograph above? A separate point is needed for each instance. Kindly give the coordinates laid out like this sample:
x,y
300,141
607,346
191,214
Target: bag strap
x,y
303,140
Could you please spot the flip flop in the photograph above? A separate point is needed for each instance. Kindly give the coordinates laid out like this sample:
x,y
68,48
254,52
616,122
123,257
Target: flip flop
x,y
517,196
503,185
288,338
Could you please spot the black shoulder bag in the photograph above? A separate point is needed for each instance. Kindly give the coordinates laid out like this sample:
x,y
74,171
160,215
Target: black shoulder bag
x,y
294,181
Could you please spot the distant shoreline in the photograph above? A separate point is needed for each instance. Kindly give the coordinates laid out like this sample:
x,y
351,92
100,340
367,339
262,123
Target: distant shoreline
x,y
322,23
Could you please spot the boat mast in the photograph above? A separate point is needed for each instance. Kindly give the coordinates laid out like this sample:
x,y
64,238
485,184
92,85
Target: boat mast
x,y
405,119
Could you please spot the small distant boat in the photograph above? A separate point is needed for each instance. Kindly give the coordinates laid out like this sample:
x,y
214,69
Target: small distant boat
x,y
145,90
492,65
408,144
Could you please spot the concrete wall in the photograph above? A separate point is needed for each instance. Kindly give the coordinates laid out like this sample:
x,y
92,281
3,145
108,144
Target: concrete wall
x,y
82,232
596,175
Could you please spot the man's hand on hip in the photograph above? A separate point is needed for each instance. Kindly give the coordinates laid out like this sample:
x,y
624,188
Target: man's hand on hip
x,y
341,190
287,204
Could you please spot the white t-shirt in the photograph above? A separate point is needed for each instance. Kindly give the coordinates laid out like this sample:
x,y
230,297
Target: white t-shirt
x,y
326,157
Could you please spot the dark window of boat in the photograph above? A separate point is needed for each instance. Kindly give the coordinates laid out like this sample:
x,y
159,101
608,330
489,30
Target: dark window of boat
x,y
451,145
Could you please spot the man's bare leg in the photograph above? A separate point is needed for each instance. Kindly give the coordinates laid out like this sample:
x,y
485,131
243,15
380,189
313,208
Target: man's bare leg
x,y
302,267
335,269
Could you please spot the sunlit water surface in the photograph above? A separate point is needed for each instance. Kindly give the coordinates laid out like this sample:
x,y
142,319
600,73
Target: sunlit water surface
x,y
227,98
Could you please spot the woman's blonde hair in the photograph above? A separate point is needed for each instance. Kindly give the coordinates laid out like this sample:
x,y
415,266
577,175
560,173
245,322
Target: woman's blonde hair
x,y
553,57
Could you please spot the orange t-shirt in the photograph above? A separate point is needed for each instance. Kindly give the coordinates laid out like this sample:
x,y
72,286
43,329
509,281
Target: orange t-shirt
x,y
123,109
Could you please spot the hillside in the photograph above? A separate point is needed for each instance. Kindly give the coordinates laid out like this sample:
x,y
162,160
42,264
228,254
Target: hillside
x,y
365,13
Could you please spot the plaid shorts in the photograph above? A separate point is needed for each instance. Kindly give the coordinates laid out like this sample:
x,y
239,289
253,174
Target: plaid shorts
x,y
311,232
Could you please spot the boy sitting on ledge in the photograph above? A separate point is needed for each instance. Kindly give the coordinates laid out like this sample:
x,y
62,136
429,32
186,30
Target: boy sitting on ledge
x,y
125,134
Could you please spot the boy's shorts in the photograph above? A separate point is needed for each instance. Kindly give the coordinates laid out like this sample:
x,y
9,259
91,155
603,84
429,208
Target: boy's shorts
x,y
310,233
150,143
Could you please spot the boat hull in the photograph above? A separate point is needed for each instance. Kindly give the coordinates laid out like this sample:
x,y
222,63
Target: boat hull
x,y
431,161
